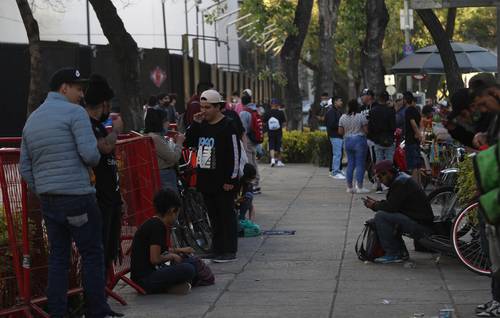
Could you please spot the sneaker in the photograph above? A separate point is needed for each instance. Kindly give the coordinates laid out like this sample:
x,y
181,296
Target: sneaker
x,y
225,258
384,188
379,190
273,162
387,259
338,176
493,310
362,190
483,307
180,289
256,190
350,190
280,164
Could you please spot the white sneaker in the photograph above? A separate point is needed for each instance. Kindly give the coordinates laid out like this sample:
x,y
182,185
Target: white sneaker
x,y
280,164
350,190
273,162
362,190
384,188
338,176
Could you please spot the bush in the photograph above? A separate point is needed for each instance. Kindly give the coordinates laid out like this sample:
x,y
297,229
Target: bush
x,y
303,147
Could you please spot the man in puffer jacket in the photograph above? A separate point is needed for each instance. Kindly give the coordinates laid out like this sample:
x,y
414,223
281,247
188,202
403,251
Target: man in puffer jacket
x,y
58,147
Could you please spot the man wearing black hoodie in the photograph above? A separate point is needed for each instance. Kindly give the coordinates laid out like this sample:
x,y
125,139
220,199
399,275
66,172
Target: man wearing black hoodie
x,y
218,160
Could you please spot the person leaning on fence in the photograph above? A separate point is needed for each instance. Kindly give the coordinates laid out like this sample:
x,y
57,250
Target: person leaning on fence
x,y
405,210
58,146
98,97
154,267
168,153
218,163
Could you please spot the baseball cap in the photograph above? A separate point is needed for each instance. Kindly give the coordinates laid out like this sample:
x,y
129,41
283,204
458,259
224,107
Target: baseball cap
x,y
247,91
65,75
367,91
460,100
274,101
383,166
399,96
98,90
211,96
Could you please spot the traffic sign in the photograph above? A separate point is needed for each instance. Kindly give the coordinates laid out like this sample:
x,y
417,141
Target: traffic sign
x,y
408,49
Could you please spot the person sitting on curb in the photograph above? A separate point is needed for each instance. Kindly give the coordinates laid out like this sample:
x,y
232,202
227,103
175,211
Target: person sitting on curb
x,y
405,210
150,254
244,200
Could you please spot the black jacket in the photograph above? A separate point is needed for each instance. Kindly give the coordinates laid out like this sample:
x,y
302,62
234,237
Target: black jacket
x,y
382,125
407,197
332,118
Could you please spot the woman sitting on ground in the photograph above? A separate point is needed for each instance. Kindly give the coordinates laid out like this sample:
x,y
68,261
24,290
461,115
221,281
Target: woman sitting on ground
x,y
150,254
168,153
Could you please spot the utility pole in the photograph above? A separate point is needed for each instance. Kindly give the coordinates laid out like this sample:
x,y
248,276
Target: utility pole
x,y
88,22
409,84
164,24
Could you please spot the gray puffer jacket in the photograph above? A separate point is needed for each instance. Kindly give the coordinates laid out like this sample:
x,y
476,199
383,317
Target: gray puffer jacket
x,y
57,148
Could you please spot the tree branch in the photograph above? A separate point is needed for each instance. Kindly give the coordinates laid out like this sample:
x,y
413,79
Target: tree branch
x,y
309,64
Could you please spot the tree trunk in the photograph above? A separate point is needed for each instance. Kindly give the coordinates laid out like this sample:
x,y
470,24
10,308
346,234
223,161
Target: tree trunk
x,y
435,80
351,83
328,17
372,65
290,55
35,94
126,55
442,40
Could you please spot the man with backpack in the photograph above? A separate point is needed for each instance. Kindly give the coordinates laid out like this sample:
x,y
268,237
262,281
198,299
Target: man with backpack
x,y
254,133
406,209
275,120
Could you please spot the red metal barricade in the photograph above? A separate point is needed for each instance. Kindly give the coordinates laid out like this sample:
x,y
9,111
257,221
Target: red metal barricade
x,y
23,239
139,181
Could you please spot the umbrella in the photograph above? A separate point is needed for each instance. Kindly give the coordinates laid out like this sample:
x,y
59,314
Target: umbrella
x,y
470,58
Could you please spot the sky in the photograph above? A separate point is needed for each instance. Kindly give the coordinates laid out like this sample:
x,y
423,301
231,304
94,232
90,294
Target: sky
x,y
142,19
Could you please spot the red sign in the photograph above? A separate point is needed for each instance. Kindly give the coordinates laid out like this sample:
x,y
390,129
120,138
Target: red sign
x,y
158,76
419,76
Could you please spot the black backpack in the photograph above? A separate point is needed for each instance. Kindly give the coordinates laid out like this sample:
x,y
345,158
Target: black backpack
x,y
368,246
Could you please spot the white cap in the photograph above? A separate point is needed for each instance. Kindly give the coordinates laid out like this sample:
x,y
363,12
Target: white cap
x,y
211,96
248,91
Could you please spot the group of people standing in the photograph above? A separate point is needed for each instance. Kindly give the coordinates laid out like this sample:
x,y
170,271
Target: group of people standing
x,y
367,133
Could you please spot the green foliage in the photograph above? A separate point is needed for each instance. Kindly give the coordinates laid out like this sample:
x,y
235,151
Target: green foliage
x,y
304,147
3,227
476,25
466,183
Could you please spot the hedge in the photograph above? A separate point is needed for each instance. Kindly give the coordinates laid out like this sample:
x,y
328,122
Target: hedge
x,y
303,147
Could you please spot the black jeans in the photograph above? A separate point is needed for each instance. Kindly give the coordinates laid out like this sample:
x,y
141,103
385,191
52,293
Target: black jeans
x,y
111,230
163,278
390,227
222,215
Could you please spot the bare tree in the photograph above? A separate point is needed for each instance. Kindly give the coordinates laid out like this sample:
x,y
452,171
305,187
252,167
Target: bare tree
x,y
372,65
290,55
442,40
35,94
125,52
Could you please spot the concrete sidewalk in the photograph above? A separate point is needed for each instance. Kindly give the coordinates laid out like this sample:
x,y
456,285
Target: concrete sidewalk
x,y
316,273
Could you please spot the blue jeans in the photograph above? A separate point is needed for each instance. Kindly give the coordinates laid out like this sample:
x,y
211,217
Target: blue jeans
x,y
245,205
168,179
384,153
390,227
356,148
75,217
336,154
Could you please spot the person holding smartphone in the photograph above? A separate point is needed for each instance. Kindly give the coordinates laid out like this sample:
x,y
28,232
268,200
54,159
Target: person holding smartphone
x,y
406,209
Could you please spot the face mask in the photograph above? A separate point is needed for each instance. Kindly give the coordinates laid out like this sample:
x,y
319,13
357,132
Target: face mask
x,y
323,103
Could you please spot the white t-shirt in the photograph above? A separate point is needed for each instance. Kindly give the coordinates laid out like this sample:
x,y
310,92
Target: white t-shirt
x,y
353,124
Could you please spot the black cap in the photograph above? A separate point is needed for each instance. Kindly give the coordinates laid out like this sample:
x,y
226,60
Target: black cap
x,y
460,100
65,75
367,91
98,90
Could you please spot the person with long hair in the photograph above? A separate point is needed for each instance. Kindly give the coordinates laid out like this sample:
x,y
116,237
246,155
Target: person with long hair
x,y
167,152
354,126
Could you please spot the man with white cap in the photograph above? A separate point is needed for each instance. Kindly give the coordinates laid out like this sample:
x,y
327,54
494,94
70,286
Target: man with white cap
x,y
216,138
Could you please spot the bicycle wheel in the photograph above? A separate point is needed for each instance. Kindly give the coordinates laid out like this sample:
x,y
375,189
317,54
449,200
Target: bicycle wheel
x,y
199,228
444,203
469,246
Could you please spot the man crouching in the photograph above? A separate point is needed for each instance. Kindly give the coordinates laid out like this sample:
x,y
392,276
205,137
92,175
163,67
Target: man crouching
x,y
406,210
